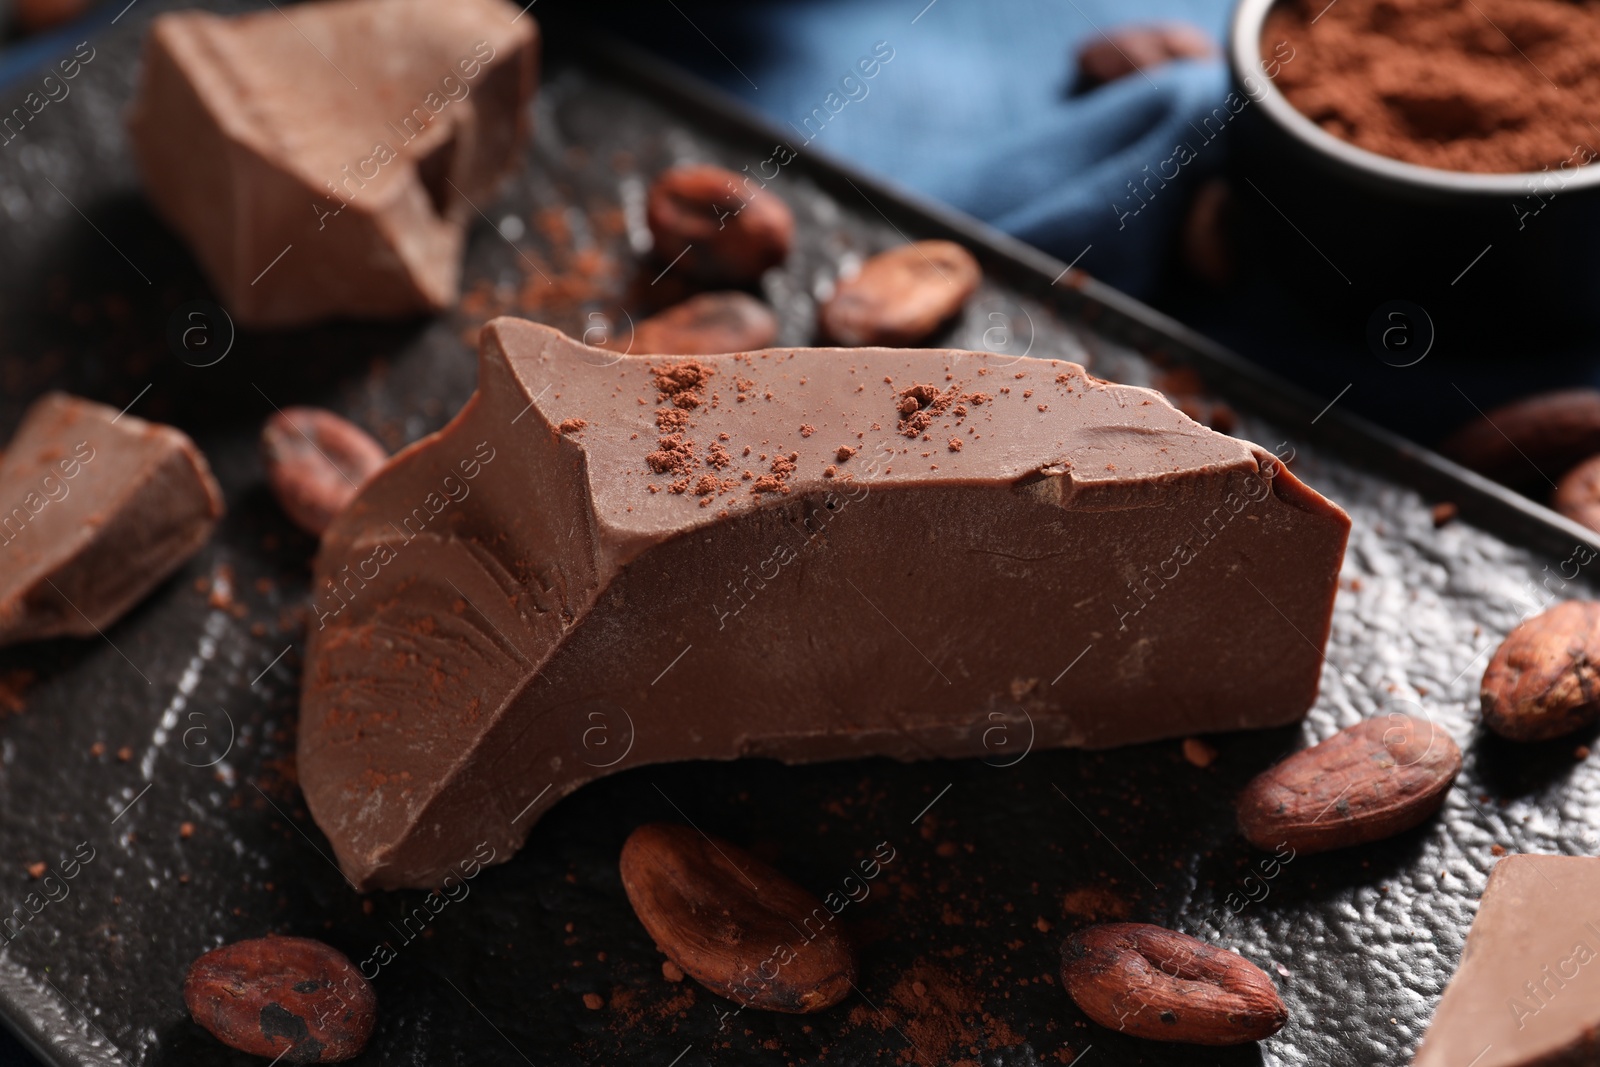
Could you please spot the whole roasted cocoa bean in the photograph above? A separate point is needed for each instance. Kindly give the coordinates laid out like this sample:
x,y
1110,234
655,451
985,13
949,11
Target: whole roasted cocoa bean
x,y
1159,984
733,924
1207,240
1108,56
716,225
316,463
287,997
1578,494
1370,781
704,325
1529,441
1544,679
901,296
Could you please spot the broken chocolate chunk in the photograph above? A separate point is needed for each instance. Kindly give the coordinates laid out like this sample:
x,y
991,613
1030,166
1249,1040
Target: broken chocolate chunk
x,y
502,598
1527,993
97,508
327,164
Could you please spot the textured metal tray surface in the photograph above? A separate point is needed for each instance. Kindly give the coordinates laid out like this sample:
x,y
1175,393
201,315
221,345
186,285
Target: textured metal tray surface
x,y
184,713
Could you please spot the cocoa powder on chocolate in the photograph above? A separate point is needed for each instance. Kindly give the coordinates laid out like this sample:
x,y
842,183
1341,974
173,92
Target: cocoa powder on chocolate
x,y
1494,86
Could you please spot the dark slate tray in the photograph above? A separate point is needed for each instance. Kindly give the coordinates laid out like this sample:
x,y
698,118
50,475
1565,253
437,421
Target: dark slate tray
x,y
994,860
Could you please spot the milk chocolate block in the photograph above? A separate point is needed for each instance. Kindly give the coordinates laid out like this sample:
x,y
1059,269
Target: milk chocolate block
x,y
1527,992
99,509
351,138
802,554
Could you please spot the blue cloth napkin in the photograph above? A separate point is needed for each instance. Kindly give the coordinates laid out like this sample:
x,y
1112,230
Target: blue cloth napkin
x,y
971,103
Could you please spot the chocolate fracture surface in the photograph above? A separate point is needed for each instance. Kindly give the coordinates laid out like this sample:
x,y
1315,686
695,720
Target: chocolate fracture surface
x,y
1527,993
803,554
100,508
326,163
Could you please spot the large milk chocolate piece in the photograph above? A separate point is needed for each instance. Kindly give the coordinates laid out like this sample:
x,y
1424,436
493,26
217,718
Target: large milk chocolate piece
x,y
1527,993
98,509
351,138
805,554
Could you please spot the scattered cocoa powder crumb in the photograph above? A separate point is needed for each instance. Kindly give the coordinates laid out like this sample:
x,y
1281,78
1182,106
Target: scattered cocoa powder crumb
x,y
681,382
572,425
1443,512
1026,393
593,1001
124,753
829,471
1063,379
37,870
670,971
1497,850
674,455
186,830
769,483
221,595
844,453
717,456
1198,752
97,749
706,485
1581,753
1042,925
1096,903
955,444
806,430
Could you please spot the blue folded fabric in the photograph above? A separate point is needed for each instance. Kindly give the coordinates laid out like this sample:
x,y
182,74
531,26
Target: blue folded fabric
x,y
975,107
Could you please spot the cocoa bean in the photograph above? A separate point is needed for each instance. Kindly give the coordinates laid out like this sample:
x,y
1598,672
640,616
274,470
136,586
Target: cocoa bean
x,y
734,924
1105,57
316,463
1530,442
1370,781
901,296
716,225
1544,679
1577,496
704,325
287,997
1159,984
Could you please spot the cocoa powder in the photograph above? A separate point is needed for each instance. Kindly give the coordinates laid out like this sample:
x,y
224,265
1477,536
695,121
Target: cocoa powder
x,y
1494,86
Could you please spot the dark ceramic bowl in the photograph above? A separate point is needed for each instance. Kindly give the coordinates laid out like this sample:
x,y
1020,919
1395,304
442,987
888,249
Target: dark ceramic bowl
x,y
1489,257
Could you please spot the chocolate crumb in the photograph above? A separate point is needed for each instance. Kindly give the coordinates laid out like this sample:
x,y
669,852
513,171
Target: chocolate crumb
x,y
1198,752
572,425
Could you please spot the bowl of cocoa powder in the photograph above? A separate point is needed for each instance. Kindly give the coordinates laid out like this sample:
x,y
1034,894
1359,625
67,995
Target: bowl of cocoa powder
x,y
1435,151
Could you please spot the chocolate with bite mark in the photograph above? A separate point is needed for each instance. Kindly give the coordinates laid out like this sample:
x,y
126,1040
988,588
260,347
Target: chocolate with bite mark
x,y
804,554
97,508
351,142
